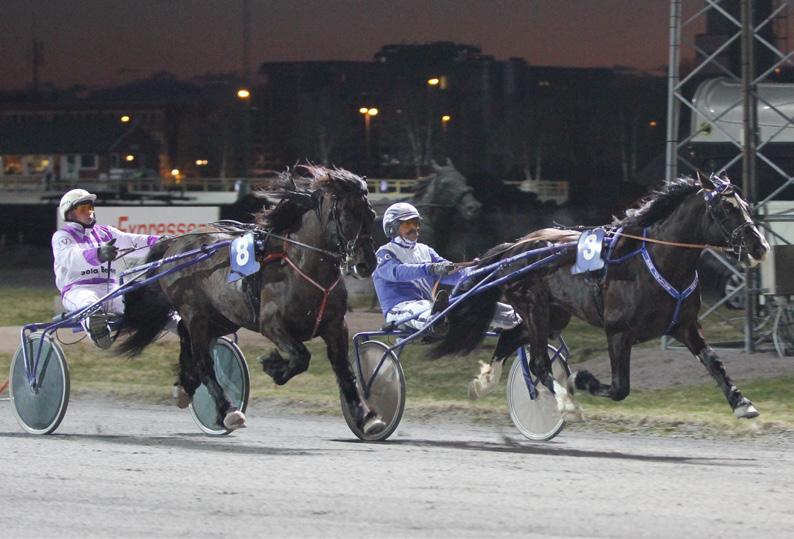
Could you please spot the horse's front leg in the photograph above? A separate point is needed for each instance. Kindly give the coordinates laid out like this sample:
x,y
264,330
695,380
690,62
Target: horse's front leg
x,y
335,336
692,337
289,359
619,344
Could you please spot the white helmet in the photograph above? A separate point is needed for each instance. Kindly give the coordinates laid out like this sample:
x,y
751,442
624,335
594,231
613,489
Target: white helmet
x,y
396,213
73,198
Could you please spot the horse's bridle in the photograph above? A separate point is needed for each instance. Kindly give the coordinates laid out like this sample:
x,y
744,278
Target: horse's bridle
x,y
346,247
719,214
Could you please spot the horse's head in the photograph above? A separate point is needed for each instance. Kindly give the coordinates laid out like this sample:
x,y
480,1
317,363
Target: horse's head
x,y
448,187
348,216
731,222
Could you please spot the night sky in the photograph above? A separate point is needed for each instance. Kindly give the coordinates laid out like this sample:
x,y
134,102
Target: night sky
x,y
106,42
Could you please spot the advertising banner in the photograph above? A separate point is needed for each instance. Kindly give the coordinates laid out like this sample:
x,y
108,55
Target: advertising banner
x,y
156,220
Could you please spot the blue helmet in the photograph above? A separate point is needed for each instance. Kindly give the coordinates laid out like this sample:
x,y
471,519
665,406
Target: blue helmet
x,y
395,214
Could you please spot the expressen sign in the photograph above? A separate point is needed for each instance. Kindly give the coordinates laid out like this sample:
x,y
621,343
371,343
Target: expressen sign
x,y
156,220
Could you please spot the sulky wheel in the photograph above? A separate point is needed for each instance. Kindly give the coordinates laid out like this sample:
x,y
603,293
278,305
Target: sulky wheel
x,y
231,371
386,394
41,408
538,418
783,332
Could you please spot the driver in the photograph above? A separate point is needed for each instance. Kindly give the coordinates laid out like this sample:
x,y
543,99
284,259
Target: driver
x,y
407,269
83,251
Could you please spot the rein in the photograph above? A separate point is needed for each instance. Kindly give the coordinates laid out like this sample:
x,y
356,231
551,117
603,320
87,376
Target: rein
x,y
674,243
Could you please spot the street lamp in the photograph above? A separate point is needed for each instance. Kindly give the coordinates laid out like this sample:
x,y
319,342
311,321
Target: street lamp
x,y
433,81
368,113
243,93
125,118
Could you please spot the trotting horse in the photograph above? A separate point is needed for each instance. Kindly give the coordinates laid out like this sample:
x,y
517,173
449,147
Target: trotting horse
x,y
649,288
322,222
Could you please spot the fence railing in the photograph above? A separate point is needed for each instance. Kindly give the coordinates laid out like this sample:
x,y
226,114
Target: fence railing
x,y
384,188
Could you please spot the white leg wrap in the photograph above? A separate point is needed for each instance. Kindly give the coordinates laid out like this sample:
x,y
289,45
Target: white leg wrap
x,y
487,380
564,401
746,411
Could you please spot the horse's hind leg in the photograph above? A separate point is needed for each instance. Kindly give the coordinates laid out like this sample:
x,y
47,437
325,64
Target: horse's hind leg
x,y
490,373
335,337
540,362
200,342
692,337
189,380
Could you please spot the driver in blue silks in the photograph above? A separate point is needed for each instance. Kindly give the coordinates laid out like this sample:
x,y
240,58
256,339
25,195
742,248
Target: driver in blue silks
x,y
405,276
407,271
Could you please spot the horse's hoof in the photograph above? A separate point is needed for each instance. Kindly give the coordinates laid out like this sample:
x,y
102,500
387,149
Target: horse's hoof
x,y
181,396
746,410
234,420
373,425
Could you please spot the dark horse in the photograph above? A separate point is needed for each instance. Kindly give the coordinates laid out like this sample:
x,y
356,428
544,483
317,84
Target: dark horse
x,y
321,222
447,204
627,300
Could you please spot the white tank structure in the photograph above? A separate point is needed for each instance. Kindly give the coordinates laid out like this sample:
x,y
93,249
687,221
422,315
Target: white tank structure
x,y
714,96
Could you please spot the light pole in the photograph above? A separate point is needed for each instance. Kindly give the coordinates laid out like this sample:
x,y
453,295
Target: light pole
x,y
432,82
368,113
244,160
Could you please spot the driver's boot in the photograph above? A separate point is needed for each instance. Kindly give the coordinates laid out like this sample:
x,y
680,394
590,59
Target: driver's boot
x,y
99,330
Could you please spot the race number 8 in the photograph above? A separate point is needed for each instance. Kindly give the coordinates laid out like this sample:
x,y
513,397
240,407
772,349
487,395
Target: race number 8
x,y
241,256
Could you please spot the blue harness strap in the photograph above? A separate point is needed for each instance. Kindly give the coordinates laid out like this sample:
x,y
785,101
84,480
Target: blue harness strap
x,y
679,297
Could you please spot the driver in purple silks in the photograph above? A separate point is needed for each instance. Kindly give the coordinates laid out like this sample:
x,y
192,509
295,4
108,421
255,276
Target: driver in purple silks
x,y
81,249
404,280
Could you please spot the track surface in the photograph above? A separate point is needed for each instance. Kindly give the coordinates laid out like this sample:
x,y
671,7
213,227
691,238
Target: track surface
x,y
131,470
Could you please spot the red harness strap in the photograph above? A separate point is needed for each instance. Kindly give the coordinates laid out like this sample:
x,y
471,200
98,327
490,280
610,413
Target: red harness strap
x,y
326,291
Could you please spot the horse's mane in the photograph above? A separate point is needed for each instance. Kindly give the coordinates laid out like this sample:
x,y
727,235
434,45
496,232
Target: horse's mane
x,y
294,190
659,204
422,186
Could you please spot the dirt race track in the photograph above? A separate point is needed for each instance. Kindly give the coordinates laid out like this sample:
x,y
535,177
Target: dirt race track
x,y
125,470
133,470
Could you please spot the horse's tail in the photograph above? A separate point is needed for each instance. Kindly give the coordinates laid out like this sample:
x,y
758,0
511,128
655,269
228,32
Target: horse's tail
x,y
469,320
146,311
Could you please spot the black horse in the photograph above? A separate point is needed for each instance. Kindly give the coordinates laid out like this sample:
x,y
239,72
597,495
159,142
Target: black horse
x,y
448,206
626,300
322,221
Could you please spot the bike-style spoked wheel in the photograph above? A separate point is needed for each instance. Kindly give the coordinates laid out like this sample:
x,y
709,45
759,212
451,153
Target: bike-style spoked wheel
x,y
783,332
41,408
536,418
383,391
231,371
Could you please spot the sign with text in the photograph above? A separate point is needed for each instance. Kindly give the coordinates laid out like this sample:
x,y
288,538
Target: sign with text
x,y
156,220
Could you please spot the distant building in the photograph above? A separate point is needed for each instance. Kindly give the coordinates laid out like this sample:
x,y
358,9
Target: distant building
x,y
79,141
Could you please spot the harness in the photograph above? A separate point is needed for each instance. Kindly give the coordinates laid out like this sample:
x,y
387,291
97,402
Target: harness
x,y
678,295
345,247
270,257
734,238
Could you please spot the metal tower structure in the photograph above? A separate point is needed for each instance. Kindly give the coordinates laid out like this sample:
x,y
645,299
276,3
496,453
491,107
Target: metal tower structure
x,y
744,52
